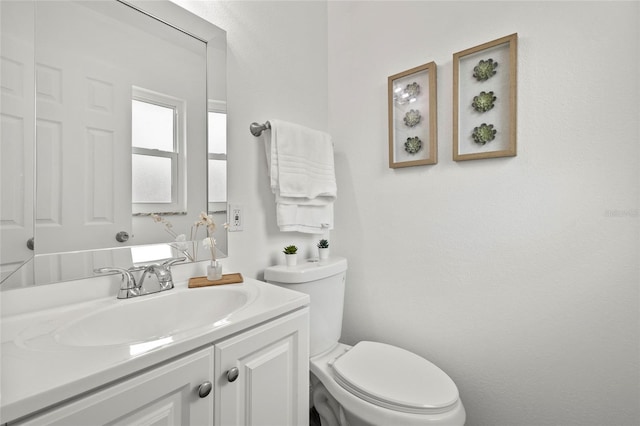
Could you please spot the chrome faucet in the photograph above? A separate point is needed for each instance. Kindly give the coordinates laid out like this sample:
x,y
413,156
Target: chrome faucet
x,y
162,271
131,288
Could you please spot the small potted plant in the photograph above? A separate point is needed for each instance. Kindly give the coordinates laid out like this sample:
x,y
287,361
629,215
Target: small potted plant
x,y
323,249
291,255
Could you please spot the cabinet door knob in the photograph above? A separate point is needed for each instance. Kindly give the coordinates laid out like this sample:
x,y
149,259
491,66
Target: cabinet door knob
x,y
204,389
233,374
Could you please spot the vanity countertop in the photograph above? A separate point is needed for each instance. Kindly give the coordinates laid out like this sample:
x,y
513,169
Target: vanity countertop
x,y
39,371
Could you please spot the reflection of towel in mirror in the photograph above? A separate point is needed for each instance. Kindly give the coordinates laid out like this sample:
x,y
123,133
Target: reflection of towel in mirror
x,y
301,169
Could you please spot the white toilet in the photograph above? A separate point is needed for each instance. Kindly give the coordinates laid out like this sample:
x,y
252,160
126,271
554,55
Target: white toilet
x,y
370,383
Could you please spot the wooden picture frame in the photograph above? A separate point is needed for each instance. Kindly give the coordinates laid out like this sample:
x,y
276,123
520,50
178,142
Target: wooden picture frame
x,y
413,117
484,100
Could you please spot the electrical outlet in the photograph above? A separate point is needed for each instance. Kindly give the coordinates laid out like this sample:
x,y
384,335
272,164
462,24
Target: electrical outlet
x,y
235,218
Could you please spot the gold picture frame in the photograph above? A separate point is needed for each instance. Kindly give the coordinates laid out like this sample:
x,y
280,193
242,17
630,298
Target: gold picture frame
x,y
484,100
413,117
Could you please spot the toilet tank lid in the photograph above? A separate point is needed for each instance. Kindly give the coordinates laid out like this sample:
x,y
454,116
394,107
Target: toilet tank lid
x,y
310,270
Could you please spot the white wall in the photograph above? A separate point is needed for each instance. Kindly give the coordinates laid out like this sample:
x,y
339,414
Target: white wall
x,y
518,276
277,68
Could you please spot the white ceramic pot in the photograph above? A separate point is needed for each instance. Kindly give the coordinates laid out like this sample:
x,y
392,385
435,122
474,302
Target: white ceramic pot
x,y
323,253
291,259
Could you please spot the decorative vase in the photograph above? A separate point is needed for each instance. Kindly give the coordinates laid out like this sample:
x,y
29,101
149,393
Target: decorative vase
x,y
292,259
214,271
323,253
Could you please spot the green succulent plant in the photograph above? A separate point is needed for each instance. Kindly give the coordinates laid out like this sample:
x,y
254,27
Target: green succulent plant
x,y
484,133
485,69
413,145
484,101
290,249
413,89
412,118
323,244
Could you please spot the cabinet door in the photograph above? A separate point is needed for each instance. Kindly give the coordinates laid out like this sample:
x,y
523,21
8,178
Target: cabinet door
x,y
272,386
166,395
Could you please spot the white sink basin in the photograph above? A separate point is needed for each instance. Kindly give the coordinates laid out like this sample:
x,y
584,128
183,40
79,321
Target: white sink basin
x,y
152,318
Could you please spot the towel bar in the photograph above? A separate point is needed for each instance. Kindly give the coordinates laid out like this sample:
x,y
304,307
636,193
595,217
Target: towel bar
x,y
256,129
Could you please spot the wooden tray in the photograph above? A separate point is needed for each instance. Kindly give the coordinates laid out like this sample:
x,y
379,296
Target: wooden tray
x,y
226,279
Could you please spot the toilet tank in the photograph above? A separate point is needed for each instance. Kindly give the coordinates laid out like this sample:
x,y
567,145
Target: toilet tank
x,y
323,281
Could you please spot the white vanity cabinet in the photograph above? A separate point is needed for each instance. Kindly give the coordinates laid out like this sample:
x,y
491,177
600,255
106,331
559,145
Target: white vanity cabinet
x,y
165,395
81,364
270,388
262,375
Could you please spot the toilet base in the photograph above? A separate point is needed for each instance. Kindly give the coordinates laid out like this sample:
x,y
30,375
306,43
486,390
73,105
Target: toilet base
x,y
328,409
331,412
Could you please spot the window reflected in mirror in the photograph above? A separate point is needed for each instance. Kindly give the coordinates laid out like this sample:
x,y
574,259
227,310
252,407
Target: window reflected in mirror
x,y
157,147
217,158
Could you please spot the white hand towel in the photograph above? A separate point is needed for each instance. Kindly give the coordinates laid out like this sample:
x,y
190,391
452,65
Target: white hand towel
x,y
302,174
301,164
307,219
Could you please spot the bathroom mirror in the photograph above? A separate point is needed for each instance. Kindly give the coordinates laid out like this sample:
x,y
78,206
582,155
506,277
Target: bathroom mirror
x,y
129,123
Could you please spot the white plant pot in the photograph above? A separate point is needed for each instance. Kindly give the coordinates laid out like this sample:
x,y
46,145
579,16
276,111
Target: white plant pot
x,y
323,253
291,259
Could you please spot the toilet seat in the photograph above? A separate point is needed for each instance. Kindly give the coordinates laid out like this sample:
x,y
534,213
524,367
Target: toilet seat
x,y
395,378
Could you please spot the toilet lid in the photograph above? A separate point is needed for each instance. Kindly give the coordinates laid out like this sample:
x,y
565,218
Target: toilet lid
x,y
395,378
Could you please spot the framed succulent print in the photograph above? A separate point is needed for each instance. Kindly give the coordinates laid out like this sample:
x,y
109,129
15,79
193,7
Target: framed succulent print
x,y
413,117
484,100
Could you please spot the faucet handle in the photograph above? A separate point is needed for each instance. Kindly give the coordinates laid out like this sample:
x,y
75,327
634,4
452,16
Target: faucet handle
x,y
126,275
164,273
129,287
170,262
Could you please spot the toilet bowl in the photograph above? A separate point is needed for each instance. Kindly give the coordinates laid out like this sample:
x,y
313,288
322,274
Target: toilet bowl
x,y
424,396
370,383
